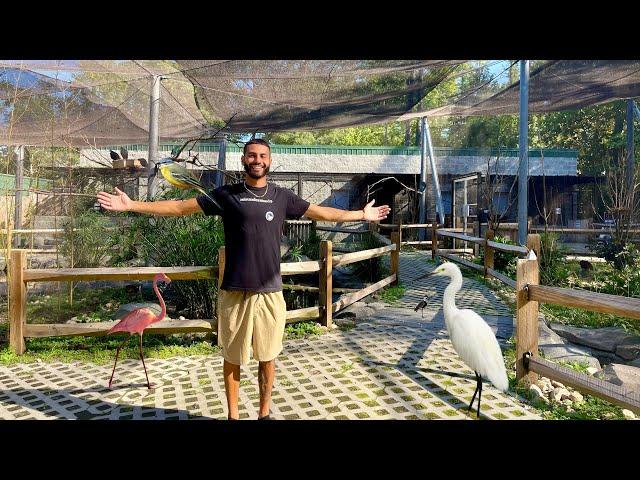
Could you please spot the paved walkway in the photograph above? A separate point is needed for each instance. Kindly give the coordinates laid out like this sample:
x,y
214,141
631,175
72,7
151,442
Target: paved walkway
x,y
473,294
396,364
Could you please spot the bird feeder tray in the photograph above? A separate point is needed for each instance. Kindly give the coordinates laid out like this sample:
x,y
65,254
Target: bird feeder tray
x,y
129,163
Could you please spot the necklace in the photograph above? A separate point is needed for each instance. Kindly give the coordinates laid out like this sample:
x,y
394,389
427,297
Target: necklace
x,y
257,196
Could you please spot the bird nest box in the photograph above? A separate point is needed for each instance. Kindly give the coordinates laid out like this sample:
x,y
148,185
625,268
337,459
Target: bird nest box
x,y
129,163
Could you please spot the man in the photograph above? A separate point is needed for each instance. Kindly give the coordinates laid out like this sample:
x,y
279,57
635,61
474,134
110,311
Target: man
x,y
251,307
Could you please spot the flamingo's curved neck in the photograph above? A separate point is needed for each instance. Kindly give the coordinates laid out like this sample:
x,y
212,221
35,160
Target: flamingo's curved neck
x,y
163,312
449,297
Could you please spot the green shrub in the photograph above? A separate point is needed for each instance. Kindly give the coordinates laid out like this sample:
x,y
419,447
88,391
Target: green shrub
x,y
625,280
177,241
502,261
553,265
311,247
373,269
617,254
84,242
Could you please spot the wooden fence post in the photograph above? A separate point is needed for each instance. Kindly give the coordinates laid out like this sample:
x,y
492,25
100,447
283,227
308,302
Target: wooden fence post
x,y
221,263
488,251
326,283
396,239
17,301
221,260
434,239
533,243
527,317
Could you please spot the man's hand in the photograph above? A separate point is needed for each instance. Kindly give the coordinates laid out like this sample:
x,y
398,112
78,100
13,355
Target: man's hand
x,y
117,203
375,214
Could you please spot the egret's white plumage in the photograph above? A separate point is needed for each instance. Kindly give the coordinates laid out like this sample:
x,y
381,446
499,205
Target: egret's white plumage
x,y
472,339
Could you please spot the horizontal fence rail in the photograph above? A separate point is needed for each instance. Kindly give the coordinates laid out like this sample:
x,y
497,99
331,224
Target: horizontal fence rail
x,y
348,258
611,392
486,243
354,297
505,247
21,276
101,328
461,236
298,268
503,278
392,226
134,273
592,301
341,229
466,263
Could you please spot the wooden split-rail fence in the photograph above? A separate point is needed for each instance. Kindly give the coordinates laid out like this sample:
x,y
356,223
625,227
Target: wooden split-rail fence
x,y
20,276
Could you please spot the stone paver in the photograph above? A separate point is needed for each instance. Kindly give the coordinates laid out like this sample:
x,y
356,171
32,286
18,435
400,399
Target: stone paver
x,y
378,370
396,364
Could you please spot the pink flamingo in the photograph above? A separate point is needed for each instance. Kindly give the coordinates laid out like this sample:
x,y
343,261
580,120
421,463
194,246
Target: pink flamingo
x,y
137,320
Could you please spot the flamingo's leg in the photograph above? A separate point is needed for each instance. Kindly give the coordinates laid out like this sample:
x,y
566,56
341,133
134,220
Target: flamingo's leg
x,y
118,353
145,367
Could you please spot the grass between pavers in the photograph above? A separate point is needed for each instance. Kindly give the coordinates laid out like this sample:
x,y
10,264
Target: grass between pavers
x,y
392,294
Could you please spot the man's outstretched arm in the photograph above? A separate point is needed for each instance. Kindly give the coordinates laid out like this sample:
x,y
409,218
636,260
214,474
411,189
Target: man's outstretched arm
x,y
168,208
328,214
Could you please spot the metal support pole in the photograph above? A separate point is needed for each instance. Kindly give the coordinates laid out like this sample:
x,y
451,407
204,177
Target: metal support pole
x,y
434,172
19,177
154,113
422,199
523,172
222,160
630,149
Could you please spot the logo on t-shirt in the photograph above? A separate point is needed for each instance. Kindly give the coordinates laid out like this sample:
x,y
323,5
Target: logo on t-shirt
x,y
269,216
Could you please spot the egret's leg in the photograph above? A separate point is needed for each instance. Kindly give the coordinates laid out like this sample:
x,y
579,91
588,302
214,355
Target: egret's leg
x,y
116,362
479,393
145,367
474,393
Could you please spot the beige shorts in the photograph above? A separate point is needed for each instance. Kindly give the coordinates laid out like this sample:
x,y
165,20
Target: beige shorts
x,y
247,319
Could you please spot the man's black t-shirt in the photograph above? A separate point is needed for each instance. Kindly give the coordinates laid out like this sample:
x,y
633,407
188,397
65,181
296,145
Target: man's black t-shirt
x,y
253,220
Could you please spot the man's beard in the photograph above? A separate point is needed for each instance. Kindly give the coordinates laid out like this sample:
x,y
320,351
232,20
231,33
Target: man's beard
x,y
247,168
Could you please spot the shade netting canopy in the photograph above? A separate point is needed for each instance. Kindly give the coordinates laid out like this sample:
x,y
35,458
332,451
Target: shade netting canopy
x,y
107,102
554,86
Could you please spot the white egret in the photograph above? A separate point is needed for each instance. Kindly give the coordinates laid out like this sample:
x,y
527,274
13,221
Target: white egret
x,y
472,339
